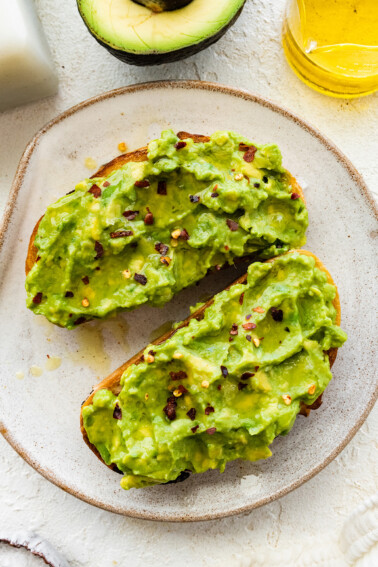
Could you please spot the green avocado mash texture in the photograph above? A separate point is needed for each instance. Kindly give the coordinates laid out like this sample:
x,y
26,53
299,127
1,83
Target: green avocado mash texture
x,y
224,387
108,245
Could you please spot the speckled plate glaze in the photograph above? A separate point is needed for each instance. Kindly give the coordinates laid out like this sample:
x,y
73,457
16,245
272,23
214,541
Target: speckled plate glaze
x,y
40,414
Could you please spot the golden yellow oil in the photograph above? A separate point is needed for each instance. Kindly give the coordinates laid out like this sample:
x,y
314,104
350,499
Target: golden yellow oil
x,y
332,45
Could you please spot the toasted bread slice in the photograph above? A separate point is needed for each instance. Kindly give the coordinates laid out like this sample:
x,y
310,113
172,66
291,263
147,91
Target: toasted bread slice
x,y
112,382
136,156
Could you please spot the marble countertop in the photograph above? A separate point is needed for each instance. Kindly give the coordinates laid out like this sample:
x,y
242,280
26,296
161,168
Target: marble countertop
x,y
249,56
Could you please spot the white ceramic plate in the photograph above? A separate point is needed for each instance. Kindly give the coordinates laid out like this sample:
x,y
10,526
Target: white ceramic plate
x,y
40,414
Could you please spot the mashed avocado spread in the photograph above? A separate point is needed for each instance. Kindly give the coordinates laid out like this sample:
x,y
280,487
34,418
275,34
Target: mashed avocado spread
x,y
222,388
151,228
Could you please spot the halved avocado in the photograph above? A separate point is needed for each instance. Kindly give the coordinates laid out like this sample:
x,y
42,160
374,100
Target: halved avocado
x,y
151,32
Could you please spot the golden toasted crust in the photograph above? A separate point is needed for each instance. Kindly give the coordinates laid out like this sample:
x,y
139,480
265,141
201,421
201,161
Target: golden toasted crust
x,y
112,382
116,163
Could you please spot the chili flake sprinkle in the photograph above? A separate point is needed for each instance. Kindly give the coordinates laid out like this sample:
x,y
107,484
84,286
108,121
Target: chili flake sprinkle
x,y
121,234
166,260
277,314
209,410
232,225
211,430
192,413
99,249
85,280
95,190
130,215
161,248
140,278
194,429
149,218
246,375
69,294
117,413
249,326
241,386
142,183
294,196
180,375
224,371
180,145
37,298
106,184
215,194
241,299
248,337
162,188
249,155
258,310
234,329
194,198
170,408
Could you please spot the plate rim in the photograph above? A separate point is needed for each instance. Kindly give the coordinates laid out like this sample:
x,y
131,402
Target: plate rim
x,y
9,208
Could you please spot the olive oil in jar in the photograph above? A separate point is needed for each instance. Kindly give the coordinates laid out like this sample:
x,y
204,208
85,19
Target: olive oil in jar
x,y
332,45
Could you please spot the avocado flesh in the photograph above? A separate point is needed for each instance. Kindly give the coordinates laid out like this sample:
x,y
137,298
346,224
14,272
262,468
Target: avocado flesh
x,y
137,35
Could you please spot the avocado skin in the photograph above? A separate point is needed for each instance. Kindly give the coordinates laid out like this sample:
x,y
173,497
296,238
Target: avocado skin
x,y
142,60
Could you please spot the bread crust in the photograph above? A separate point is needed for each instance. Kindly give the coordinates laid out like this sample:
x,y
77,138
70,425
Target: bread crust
x,y
135,156
112,382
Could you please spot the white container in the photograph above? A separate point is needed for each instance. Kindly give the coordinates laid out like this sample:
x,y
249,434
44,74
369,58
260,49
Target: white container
x,y
26,69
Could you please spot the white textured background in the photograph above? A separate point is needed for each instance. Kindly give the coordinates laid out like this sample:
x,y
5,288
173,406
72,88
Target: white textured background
x,y
249,56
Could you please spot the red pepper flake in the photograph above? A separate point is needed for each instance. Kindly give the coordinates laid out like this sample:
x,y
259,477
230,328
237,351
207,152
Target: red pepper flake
x,y
194,429
224,371
180,145
256,368
249,326
95,190
38,258
219,387
161,248
232,225
257,185
170,408
248,337
140,278
230,340
215,194
130,215
209,410
250,154
192,413
162,188
248,316
79,321
277,314
247,178
211,430
294,196
184,234
99,249
241,299
246,375
121,233
194,198
234,329
244,147
226,247
106,184
241,386
37,298
180,375
69,294
149,218
117,413
182,389
85,280
142,184
97,268
287,329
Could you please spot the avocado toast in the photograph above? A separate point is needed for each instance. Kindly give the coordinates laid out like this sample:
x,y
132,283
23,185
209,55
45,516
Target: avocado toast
x,y
155,220
223,383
